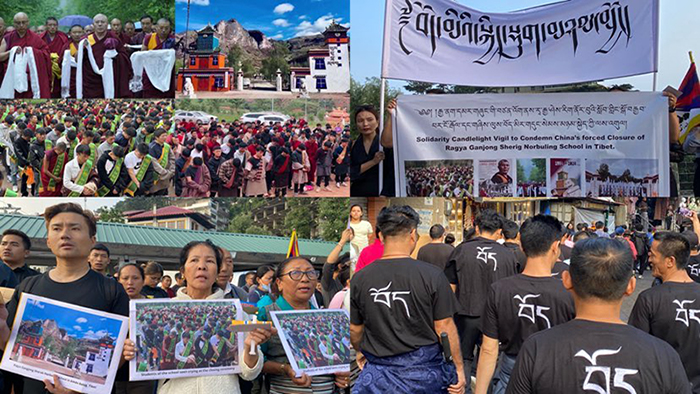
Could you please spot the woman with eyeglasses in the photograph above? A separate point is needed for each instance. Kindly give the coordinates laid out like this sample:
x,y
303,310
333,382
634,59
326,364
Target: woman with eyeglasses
x,y
200,262
365,155
295,281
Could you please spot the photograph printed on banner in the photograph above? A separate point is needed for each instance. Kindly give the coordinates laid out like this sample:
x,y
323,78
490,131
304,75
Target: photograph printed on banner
x,y
80,345
622,178
565,177
316,342
496,178
176,339
440,178
532,177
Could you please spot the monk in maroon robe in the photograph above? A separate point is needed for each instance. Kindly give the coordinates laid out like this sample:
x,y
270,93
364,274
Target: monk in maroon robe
x,y
76,34
116,25
49,171
56,40
2,34
101,41
161,39
22,37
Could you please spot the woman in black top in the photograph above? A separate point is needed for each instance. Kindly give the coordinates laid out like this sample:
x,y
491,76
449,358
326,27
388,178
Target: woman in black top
x,y
365,155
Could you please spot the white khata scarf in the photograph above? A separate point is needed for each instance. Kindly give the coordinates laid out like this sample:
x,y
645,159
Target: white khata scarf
x,y
158,64
66,69
107,72
16,77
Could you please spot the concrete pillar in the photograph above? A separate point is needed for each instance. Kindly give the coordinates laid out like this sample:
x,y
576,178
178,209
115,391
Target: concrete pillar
x,y
239,82
279,80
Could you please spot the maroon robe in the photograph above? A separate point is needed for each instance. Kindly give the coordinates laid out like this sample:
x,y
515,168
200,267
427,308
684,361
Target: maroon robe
x,y
92,82
41,55
124,38
55,46
74,51
150,91
52,156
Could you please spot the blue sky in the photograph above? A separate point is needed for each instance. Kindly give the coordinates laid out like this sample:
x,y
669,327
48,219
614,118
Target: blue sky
x,y
279,19
678,35
77,324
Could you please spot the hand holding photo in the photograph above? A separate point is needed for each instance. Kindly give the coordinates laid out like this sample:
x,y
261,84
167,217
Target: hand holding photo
x,y
80,345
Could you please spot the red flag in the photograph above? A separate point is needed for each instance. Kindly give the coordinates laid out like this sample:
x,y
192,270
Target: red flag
x,y
690,87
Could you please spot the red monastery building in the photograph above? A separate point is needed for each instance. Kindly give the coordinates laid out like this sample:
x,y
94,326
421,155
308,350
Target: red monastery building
x,y
205,65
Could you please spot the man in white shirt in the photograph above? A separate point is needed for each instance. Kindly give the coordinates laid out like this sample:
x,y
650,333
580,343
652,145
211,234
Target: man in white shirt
x,y
72,171
180,350
106,146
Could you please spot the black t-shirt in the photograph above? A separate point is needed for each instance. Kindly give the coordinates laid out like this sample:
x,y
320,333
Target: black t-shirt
x,y
24,272
92,291
671,311
435,254
366,184
558,268
473,267
521,305
154,292
398,301
591,357
519,255
693,268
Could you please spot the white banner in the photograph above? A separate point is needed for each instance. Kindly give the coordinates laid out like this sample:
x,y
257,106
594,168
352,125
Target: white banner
x,y
441,41
532,145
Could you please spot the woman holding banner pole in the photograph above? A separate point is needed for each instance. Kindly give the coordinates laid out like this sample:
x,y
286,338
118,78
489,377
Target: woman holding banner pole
x,y
295,281
366,155
200,262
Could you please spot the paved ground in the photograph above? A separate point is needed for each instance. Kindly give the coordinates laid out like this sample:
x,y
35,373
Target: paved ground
x,y
628,303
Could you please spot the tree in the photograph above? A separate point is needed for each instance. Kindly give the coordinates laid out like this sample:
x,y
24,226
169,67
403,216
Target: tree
x,y
300,215
142,203
277,60
113,214
521,172
367,94
332,217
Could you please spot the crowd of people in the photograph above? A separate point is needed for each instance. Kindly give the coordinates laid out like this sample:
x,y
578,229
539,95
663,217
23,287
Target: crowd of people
x,y
93,61
516,302
205,273
449,181
317,340
112,148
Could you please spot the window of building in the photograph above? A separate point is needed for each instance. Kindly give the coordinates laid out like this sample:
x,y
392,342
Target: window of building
x,y
219,82
298,84
320,64
215,60
92,357
192,61
181,224
89,368
321,83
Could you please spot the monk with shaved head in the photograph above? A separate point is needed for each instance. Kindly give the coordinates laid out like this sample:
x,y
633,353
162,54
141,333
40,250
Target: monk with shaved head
x,y
56,40
95,50
161,38
22,38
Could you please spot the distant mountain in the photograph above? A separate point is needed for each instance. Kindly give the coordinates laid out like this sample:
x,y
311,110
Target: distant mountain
x,y
255,43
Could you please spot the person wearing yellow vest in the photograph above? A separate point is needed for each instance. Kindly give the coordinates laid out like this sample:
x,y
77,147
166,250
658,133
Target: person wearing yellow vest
x,y
139,167
162,154
52,171
112,172
87,139
79,178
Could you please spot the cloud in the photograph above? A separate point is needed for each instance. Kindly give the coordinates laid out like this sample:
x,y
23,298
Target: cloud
x,y
280,22
281,9
95,335
307,28
77,328
81,320
195,2
277,37
303,17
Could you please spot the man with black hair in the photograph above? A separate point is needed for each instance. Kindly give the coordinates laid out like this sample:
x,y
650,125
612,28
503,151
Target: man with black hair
x,y
22,155
107,144
437,252
139,170
600,230
54,163
163,157
641,243
511,235
127,137
667,311
15,248
99,259
36,158
79,179
399,308
523,304
597,351
473,266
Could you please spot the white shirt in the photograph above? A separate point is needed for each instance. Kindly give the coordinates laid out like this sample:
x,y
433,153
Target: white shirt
x,y
70,174
179,350
131,161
